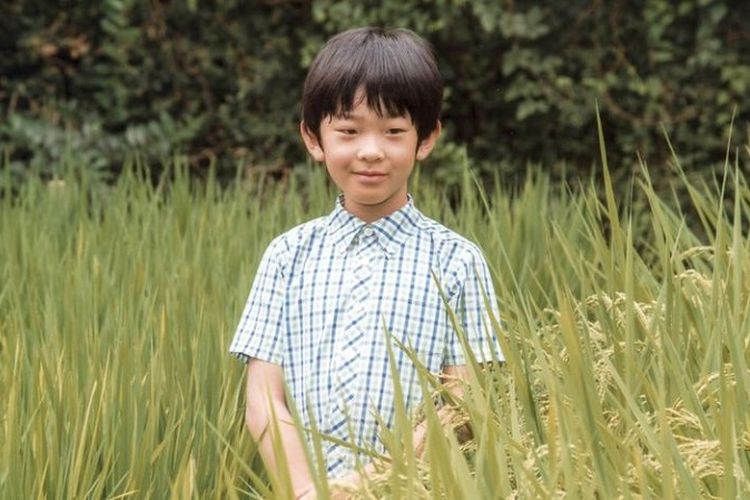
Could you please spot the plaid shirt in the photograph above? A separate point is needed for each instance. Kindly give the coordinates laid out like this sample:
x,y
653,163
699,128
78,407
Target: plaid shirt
x,y
326,293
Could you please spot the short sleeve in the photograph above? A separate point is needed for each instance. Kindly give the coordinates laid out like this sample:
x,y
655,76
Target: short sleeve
x,y
473,292
260,333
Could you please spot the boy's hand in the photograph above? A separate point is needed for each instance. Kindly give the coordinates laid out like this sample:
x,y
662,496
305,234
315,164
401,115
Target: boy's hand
x,y
306,493
346,486
342,488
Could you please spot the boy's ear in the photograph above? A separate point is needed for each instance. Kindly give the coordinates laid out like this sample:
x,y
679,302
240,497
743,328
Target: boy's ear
x,y
311,142
428,143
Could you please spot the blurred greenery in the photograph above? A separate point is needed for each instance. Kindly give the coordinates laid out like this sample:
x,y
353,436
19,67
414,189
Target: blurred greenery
x,y
220,80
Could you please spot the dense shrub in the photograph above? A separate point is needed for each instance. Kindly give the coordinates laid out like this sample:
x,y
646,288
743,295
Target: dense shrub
x,y
220,80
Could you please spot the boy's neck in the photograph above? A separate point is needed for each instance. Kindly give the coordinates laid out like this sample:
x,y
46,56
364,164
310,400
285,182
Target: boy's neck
x,y
373,213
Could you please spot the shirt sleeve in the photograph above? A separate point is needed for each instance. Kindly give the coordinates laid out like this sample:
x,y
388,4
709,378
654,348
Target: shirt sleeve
x,y
260,333
474,292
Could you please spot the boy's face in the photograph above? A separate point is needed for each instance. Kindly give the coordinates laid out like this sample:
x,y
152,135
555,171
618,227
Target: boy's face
x,y
369,157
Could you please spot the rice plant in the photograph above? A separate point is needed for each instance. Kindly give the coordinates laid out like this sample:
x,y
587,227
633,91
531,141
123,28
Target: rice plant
x,y
626,331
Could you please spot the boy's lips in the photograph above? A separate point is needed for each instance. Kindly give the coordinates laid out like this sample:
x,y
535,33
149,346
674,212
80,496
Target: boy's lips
x,y
369,178
370,174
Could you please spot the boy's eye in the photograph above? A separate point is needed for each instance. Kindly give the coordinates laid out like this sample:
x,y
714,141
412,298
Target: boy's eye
x,y
395,131
347,131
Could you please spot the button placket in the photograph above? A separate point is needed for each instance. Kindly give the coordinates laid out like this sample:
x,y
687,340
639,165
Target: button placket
x,y
358,319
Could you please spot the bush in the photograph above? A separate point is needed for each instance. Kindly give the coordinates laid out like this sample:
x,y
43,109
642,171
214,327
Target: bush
x,y
221,80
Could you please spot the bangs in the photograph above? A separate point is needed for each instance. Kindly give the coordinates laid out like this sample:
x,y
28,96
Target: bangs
x,y
395,71
386,85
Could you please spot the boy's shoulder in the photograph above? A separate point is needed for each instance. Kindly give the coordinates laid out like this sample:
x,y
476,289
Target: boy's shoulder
x,y
297,236
458,249
459,255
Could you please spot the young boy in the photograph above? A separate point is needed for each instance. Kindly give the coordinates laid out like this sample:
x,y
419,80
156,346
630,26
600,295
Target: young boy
x,y
328,292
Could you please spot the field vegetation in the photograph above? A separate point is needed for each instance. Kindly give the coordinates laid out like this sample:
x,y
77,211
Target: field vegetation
x,y
626,331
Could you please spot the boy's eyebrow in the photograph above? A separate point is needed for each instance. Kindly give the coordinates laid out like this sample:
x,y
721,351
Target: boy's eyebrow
x,y
359,117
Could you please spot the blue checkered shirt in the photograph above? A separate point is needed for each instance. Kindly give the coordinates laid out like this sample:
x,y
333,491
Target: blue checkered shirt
x,y
326,293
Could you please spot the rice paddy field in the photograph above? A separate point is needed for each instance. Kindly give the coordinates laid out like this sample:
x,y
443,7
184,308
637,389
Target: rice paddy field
x,y
626,331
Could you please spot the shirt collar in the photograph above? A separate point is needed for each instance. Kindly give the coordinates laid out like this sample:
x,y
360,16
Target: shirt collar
x,y
392,231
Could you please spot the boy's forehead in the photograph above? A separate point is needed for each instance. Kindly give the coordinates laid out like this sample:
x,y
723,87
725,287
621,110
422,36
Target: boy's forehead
x,y
361,105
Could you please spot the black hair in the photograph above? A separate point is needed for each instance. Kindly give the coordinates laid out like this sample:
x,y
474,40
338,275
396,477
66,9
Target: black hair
x,y
396,68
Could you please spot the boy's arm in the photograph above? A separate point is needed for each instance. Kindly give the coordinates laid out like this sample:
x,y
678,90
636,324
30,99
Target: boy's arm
x,y
265,389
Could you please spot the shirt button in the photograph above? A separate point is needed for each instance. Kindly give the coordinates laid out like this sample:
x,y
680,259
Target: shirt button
x,y
367,232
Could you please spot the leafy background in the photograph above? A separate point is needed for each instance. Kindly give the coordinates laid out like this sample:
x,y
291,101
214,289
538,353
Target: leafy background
x,y
221,80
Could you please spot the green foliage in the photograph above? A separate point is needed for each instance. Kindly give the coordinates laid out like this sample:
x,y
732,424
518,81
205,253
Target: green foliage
x,y
221,80
627,371
93,148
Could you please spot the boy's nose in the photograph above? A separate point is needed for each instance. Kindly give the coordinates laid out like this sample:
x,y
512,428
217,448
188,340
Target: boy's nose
x,y
370,151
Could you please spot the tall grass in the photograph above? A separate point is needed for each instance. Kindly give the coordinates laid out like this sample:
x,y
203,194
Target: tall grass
x,y
627,337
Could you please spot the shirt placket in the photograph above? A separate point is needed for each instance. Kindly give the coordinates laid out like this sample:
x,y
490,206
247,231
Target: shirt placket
x,y
359,316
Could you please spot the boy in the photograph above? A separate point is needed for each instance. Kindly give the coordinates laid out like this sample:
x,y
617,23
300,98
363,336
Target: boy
x,y
327,291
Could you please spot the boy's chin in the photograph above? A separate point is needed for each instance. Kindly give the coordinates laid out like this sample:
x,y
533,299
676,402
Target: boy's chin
x,y
369,199
380,203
